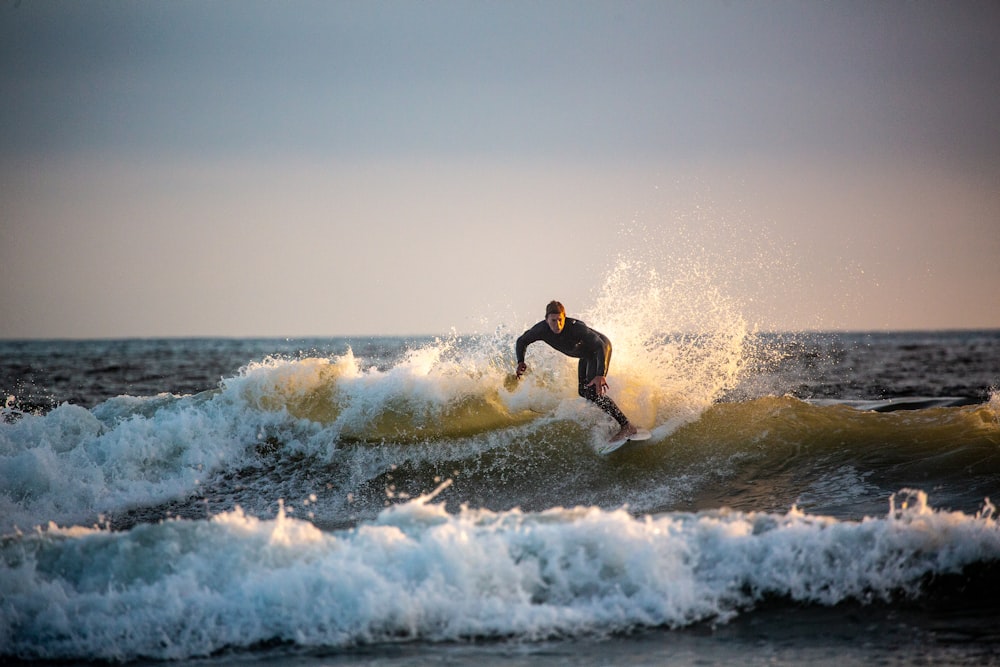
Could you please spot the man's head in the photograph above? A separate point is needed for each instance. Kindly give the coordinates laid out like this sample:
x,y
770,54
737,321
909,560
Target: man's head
x,y
555,316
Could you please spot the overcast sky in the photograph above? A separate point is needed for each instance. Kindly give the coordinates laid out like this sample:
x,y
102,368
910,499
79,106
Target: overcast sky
x,y
347,168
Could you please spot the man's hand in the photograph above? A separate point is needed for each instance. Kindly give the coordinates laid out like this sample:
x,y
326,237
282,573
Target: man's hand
x,y
599,383
521,368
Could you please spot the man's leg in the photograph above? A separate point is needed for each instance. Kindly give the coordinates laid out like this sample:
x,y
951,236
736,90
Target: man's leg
x,y
584,375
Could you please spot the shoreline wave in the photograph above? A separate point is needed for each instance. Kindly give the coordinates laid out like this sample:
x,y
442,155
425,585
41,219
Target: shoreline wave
x,y
418,572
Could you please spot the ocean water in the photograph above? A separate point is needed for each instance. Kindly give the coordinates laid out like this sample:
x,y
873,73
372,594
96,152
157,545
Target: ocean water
x,y
806,498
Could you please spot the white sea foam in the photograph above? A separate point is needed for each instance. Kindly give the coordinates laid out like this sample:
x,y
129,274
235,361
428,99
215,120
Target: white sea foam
x,y
72,465
187,588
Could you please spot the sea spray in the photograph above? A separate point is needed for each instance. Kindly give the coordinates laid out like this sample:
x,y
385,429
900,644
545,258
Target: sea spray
x,y
679,342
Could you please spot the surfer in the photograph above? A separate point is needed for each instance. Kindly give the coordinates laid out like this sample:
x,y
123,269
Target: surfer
x,y
575,339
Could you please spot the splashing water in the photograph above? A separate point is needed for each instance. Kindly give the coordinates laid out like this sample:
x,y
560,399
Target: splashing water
x,y
679,342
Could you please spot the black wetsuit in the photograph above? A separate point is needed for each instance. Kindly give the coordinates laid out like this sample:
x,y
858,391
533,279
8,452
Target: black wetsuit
x,y
579,341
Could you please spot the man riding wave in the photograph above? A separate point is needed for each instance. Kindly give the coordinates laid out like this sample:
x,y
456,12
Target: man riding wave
x,y
575,339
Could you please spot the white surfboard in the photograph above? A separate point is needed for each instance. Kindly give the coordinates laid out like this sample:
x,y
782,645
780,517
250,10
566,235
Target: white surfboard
x,y
615,445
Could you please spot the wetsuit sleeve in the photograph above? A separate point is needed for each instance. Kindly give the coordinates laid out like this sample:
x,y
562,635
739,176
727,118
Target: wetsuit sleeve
x,y
527,338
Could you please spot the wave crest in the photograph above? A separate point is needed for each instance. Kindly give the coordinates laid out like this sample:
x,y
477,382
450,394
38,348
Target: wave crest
x,y
417,572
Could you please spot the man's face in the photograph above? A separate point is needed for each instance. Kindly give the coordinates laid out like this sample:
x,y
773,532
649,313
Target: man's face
x,y
556,322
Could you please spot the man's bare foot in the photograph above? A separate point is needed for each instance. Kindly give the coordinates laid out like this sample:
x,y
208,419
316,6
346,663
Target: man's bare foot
x,y
626,432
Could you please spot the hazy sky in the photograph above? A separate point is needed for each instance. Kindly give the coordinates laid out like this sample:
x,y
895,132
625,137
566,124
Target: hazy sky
x,y
345,168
